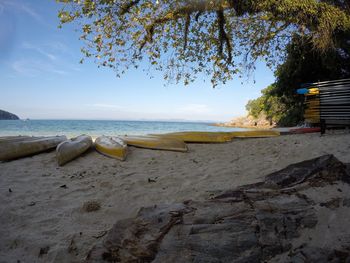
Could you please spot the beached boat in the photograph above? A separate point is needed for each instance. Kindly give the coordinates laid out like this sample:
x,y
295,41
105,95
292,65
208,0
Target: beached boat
x,y
198,137
7,139
156,143
255,134
111,146
16,149
72,148
305,130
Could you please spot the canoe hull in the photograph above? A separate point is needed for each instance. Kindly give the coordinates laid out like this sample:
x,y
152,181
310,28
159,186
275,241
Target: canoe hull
x,y
156,143
9,139
110,146
198,137
255,134
305,130
69,150
17,149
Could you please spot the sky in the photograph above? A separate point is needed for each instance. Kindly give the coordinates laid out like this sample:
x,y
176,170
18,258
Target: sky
x,y
41,77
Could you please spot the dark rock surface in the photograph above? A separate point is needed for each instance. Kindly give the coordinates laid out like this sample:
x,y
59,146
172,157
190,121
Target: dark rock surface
x,y
253,223
4,115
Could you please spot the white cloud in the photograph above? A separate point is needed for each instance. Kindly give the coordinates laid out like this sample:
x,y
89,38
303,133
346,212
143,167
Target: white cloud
x,y
43,58
21,7
57,46
38,49
33,68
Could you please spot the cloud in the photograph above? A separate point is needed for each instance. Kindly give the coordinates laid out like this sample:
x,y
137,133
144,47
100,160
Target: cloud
x,y
47,57
20,7
33,68
195,109
40,50
57,46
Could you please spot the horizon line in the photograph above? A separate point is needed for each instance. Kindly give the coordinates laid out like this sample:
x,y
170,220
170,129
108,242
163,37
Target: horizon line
x,y
140,120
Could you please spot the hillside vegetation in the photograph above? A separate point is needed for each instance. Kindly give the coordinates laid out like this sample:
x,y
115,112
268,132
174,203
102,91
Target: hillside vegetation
x,y
303,64
5,115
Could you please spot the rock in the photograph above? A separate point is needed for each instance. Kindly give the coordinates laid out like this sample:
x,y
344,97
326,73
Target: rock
x,y
248,122
5,115
253,223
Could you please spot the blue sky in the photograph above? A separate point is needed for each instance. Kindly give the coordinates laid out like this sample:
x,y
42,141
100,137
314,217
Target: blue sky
x,y
41,77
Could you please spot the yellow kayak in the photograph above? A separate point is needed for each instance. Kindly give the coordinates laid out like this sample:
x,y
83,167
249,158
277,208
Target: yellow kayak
x,y
199,137
16,149
112,147
254,134
313,91
156,143
73,148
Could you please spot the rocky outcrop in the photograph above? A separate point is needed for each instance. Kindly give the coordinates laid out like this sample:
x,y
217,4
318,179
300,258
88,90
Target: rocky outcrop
x,y
248,122
4,115
298,214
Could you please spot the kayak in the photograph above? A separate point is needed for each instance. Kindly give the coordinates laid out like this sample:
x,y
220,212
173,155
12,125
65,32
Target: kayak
x,y
305,130
72,148
198,137
312,92
8,139
254,134
15,149
156,143
218,137
111,146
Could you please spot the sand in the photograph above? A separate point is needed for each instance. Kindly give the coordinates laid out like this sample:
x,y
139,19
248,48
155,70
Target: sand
x,y
56,214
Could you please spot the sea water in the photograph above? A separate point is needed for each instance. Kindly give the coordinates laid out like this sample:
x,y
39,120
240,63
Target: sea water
x,y
95,128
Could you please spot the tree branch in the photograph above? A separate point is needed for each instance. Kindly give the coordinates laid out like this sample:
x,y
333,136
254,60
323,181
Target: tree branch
x,y
191,7
223,38
187,26
126,7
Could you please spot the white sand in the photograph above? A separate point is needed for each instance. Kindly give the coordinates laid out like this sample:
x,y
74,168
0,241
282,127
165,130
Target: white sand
x,y
44,207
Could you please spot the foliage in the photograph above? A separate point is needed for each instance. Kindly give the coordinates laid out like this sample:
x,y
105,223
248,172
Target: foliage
x,y
268,105
303,64
184,38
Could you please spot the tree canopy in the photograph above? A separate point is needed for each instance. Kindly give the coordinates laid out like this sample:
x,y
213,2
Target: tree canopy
x,y
184,38
303,64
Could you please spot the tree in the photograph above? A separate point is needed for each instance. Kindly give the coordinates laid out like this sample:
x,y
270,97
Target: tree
x,y
303,64
185,38
268,105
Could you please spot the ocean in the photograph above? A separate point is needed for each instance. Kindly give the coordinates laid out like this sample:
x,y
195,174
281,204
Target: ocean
x,y
95,128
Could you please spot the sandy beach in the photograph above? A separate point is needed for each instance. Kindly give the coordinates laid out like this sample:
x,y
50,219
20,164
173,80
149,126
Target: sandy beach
x,y
43,207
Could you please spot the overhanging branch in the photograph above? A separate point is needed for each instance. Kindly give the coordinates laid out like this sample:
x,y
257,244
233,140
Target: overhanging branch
x,y
223,37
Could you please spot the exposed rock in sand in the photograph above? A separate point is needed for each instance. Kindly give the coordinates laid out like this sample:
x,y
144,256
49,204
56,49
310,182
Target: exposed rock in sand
x,y
291,216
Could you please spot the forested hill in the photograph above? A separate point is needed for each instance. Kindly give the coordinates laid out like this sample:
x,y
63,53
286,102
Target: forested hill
x,y
4,115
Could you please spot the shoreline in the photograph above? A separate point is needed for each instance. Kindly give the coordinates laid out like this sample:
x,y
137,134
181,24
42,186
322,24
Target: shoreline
x,y
72,128
43,204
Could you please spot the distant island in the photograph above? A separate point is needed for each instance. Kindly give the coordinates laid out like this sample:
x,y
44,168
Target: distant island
x,y
5,115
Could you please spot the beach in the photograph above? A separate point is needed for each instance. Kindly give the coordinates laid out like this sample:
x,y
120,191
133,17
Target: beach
x,y
44,211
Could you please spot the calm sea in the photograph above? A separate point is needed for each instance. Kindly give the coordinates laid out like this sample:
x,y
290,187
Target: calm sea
x,y
72,128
